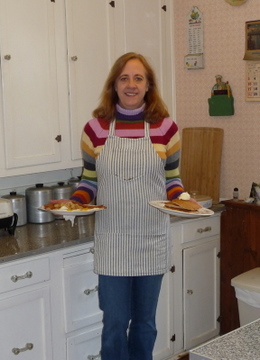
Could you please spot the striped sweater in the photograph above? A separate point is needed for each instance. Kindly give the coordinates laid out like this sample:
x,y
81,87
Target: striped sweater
x,y
164,136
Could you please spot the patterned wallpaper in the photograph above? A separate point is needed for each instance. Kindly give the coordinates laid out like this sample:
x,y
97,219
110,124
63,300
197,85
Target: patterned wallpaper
x,y
224,45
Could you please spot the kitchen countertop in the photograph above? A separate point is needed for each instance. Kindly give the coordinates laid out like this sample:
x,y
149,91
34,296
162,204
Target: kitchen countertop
x,y
242,343
34,239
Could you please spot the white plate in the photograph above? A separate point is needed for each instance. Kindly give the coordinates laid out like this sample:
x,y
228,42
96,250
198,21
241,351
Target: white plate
x,y
73,212
201,212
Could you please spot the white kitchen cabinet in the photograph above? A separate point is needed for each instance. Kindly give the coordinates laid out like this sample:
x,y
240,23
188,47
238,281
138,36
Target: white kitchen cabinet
x,y
197,280
201,293
25,310
80,291
100,31
29,83
55,56
90,29
85,345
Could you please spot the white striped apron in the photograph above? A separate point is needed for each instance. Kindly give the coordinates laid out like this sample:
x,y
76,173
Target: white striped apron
x,y
131,237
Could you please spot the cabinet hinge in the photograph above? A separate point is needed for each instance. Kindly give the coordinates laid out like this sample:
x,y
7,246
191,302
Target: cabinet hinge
x,y
112,3
172,269
173,338
58,138
219,254
164,7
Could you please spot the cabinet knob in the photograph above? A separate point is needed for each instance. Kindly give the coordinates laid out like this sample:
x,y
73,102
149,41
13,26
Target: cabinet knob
x,y
190,292
7,57
17,351
74,58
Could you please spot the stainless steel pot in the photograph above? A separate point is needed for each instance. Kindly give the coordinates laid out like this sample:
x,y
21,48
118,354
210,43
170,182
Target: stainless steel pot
x,y
62,191
74,182
19,206
36,197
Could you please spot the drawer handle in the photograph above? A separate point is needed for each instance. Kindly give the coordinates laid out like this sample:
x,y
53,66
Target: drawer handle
x,y
17,351
94,357
207,228
27,275
89,291
92,250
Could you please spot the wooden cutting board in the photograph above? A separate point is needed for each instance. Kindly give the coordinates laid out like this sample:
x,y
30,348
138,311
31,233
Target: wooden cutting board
x,y
201,160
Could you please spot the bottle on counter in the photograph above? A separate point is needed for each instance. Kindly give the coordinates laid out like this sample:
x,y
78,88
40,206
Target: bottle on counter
x,y
235,194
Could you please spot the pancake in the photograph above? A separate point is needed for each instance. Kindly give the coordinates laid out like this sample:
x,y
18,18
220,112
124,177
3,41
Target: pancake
x,y
188,205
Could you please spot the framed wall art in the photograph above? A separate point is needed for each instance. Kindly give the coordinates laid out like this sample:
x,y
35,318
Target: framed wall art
x,y
252,40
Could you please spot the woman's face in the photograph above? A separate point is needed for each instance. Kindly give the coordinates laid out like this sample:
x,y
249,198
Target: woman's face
x,y
131,85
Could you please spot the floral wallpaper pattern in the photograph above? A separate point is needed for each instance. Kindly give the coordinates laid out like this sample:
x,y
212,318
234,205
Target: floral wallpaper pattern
x,y
224,46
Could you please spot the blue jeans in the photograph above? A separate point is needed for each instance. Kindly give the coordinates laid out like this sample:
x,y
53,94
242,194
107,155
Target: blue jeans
x,y
129,308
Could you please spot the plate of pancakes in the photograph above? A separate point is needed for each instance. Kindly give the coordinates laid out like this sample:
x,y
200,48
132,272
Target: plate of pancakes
x,y
182,208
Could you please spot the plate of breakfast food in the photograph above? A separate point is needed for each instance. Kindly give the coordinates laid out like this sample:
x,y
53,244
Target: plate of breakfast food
x,y
72,208
183,206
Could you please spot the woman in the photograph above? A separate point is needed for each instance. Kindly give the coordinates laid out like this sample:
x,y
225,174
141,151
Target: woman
x,y
131,156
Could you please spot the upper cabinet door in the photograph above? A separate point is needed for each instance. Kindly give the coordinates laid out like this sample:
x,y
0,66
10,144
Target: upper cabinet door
x,y
29,83
148,31
89,32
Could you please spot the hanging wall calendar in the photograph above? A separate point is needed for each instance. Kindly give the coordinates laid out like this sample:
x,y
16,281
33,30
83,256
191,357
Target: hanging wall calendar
x,y
194,59
252,81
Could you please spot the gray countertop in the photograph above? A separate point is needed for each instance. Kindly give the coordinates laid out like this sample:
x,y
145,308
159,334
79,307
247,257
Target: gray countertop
x,y
33,239
240,344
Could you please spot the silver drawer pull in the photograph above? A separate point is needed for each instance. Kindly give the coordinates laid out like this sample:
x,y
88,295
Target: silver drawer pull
x,y
27,275
207,228
94,357
17,351
89,291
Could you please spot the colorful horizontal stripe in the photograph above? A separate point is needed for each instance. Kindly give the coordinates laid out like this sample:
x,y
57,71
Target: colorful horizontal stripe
x,y
164,136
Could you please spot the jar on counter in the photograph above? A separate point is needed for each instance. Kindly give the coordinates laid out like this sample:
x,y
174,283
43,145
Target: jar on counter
x,y
35,198
62,191
19,206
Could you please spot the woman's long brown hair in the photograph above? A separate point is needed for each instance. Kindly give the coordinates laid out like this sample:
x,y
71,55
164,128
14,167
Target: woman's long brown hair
x,y
155,108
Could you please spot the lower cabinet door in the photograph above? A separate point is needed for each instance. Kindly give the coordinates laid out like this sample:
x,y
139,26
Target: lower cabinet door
x,y
81,297
201,277
85,346
25,326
